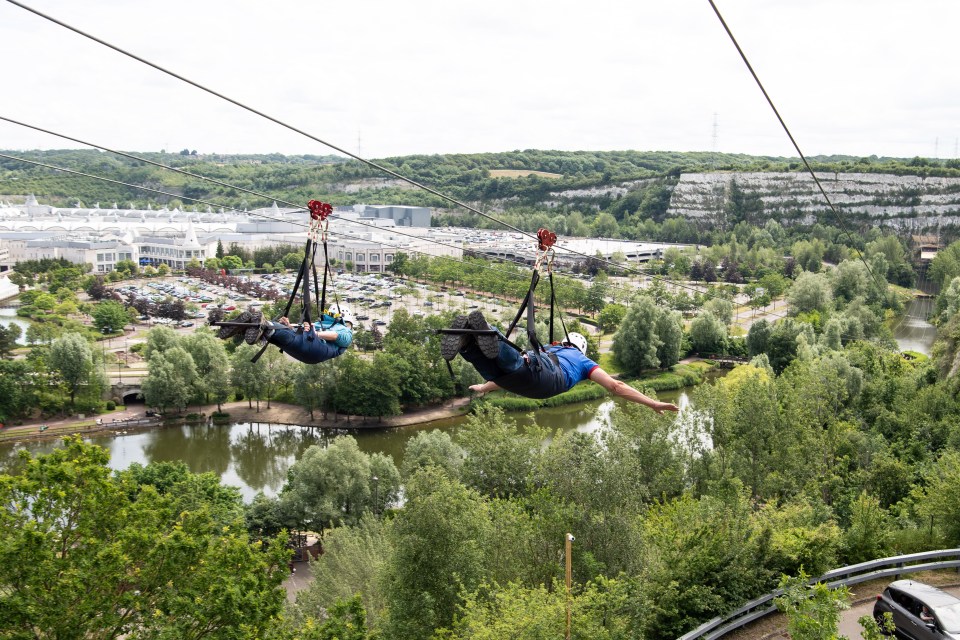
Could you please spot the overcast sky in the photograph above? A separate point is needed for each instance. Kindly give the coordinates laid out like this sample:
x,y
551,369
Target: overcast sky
x,y
383,78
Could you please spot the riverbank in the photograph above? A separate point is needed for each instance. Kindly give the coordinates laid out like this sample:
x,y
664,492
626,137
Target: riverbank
x,y
689,372
133,420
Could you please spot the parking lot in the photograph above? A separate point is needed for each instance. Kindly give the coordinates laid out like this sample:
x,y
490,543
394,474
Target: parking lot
x,y
373,298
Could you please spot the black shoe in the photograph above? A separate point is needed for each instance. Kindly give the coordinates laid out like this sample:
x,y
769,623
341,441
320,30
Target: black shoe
x,y
228,332
489,344
254,333
451,343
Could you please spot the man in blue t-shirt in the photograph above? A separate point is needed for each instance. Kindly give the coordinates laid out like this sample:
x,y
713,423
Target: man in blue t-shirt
x,y
533,374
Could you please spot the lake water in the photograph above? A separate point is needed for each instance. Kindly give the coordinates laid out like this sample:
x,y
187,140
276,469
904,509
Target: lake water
x,y
255,457
8,317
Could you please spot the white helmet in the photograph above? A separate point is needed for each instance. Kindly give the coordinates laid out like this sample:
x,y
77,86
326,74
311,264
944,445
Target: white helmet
x,y
343,314
577,340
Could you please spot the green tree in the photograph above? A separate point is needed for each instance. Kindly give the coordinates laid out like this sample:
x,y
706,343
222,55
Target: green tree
x,y
813,612
171,379
212,365
72,357
700,560
110,316
352,562
159,340
231,262
129,266
811,292
91,555
247,375
399,264
636,342
439,547
939,499
708,334
431,449
8,339
335,485
499,459
597,293
611,316
314,385
868,537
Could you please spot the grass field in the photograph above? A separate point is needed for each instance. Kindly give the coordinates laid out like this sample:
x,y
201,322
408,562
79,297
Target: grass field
x,y
520,173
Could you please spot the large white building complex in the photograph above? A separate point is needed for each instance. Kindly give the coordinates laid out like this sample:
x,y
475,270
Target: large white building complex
x,y
366,236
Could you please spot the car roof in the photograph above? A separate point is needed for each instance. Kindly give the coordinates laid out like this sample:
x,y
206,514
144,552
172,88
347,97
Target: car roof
x,y
925,592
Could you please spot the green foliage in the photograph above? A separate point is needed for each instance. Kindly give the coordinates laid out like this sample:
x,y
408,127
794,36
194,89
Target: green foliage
x,y
813,612
335,485
648,338
440,542
90,555
352,562
431,449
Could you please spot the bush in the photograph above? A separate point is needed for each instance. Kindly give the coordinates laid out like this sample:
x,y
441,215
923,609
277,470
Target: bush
x,y
111,405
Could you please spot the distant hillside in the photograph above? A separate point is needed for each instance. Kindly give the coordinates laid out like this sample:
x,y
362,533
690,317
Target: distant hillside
x,y
530,186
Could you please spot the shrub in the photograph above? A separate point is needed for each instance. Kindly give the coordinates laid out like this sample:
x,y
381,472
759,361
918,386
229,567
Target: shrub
x,y
111,405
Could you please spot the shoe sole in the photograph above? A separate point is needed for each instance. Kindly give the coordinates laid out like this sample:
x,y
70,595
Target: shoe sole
x,y
226,333
252,334
489,344
450,343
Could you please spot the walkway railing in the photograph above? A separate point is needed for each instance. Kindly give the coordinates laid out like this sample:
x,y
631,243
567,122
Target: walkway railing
x,y
845,576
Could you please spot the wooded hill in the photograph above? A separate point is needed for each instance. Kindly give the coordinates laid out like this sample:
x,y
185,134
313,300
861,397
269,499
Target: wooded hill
x,y
631,187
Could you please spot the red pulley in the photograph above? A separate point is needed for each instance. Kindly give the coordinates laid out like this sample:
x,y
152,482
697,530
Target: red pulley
x,y
546,238
319,210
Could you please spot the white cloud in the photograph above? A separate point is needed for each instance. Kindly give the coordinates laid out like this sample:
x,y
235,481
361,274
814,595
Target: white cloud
x,y
849,76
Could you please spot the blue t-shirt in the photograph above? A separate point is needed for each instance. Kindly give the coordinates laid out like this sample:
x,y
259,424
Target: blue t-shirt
x,y
344,335
576,367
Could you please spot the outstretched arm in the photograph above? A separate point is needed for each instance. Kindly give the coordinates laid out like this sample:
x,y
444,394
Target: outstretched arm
x,y
622,389
486,387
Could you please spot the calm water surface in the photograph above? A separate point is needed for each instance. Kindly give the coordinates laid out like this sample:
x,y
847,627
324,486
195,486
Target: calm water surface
x,y
8,317
255,457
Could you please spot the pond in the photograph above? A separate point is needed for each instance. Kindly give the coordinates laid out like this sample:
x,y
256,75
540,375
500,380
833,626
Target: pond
x,y
8,317
255,456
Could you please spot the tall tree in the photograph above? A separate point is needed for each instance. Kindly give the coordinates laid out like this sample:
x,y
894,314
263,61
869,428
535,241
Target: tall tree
x,y
212,364
72,357
439,540
88,554
171,379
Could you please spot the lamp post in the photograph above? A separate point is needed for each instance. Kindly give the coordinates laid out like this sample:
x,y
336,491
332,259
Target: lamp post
x,y
568,552
376,496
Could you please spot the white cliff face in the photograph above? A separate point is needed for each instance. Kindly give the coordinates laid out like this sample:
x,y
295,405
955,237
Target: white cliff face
x,y
899,201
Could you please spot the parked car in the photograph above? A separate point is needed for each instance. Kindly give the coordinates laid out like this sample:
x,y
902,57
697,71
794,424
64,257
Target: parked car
x,y
920,611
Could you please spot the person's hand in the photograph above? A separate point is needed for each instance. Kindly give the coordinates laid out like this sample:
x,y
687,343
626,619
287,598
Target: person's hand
x,y
285,321
477,387
307,326
665,406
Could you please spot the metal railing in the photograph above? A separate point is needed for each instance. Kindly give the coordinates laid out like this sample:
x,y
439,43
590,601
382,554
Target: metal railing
x,y
844,576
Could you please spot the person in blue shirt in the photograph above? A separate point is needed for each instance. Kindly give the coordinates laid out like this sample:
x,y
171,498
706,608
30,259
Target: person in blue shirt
x,y
312,343
533,374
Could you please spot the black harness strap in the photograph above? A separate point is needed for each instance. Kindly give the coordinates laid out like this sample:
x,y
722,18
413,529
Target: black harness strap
x,y
566,334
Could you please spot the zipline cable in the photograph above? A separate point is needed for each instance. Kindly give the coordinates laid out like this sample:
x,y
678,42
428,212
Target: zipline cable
x,y
796,146
365,161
